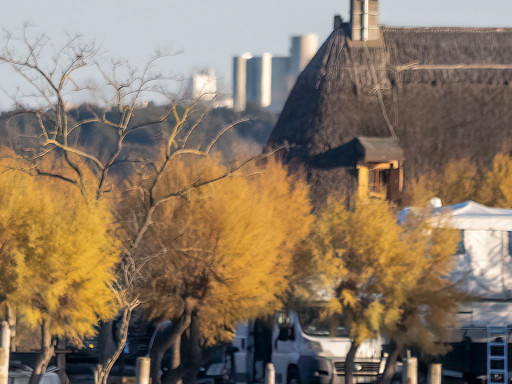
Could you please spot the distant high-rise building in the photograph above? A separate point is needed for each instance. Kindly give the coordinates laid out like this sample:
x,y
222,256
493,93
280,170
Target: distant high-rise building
x,y
282,82
240,81
302,50
203,85
259,80
265,81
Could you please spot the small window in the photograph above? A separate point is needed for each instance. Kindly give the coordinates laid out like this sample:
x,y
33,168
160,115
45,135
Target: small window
x,y
509,237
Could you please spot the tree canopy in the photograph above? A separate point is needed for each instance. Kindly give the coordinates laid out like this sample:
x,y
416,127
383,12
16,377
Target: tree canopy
x,y
462,180
104,142
224,251
361,254
386,278
61,255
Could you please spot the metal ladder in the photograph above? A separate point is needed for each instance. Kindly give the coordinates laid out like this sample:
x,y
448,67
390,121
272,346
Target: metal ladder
x,y
497,355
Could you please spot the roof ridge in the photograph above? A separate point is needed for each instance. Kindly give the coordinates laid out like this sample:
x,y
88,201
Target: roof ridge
x,y
447,29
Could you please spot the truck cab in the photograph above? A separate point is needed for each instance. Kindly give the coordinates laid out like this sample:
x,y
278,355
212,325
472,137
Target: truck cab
x,y
310,348
306,347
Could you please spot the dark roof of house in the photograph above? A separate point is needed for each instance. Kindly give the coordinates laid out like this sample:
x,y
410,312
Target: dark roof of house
x,y
445,92
380,149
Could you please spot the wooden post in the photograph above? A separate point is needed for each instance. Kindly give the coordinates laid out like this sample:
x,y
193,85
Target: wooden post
x,y
270,374
362,181
142,370
5,341
434,374
410,372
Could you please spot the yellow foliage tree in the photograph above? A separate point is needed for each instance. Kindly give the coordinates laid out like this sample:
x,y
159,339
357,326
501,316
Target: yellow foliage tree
x,y
63,258
461,181
431,300
382,273
57,127
496,190
458,181
360,249
224,251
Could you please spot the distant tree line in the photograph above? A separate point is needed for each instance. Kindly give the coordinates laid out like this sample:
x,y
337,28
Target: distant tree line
x,y
247,137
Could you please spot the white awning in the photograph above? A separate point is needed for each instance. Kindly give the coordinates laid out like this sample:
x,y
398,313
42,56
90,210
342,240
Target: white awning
x,y
473,216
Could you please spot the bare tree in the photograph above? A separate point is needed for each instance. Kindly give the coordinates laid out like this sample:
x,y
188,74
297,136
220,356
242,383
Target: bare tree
x,y
52,78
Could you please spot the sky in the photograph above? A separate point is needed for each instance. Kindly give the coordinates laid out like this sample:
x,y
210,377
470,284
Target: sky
x,y
208,33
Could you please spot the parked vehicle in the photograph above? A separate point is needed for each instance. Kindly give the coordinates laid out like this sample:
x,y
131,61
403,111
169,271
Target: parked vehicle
x,y
218,367
304,347
20,374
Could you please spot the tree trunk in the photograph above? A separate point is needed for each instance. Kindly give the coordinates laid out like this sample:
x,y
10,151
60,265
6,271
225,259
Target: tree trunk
x,y
109,348
349,363
192,351
389,369
173,340
177,369
44,357
161,343
176,356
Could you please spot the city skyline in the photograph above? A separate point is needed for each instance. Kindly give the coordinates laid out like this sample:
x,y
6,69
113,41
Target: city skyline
x,y
209,34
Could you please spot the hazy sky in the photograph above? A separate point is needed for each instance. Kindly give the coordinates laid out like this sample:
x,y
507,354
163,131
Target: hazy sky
x,y
210,32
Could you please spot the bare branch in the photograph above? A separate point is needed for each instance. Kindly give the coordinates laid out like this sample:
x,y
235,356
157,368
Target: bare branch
x,y
78,152
223,131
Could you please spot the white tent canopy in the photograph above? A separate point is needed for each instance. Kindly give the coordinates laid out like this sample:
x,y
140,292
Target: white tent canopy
x,y
470,216
473,216
483,261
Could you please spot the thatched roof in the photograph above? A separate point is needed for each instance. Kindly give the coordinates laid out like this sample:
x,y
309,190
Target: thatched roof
x,y
446,92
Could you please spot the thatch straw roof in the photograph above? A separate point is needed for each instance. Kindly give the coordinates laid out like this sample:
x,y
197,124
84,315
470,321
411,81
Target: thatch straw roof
x,y
446,92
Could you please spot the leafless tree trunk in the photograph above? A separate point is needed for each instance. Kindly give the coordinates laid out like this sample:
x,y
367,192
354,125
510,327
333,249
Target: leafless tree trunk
x,y
44,357
111,349
176,356
192,345
158,348
389,369
349,363
170,338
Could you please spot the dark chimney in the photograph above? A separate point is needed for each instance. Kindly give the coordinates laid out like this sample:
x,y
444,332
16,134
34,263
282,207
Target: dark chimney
x,y
338,21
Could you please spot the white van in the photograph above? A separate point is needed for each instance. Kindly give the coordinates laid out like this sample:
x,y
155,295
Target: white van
x,y
304,347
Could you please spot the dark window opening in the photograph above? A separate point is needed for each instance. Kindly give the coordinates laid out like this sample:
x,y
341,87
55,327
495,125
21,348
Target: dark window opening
x,y
461,249
379,180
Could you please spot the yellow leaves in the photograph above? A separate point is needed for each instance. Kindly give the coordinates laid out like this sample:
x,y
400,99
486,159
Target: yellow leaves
x,y
348,299
461,180
64,253
373,315
384,273
333,306
356,242
229,244
428,299
497,188
361,250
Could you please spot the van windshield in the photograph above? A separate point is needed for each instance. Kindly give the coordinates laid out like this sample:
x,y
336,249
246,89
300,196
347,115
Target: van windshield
x,y
314,323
